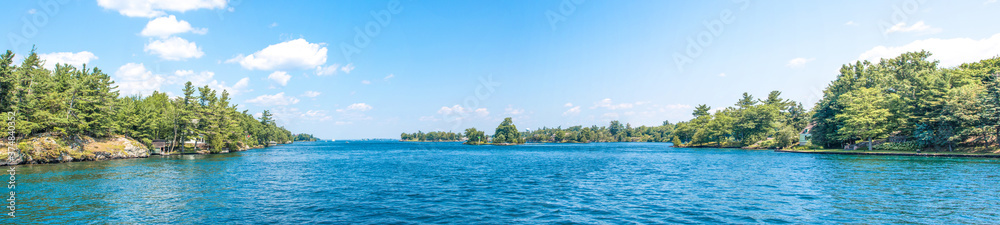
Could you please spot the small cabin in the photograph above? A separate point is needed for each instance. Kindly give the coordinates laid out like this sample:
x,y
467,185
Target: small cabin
x,y
159,146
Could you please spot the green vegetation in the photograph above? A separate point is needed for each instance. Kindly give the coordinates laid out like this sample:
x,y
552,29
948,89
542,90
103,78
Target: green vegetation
x,y
304,137
506,133
902,104
475,137
615,132
910,100
74,102
432,136
754,123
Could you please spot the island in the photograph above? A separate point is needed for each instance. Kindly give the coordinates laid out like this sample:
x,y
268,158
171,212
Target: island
x,y
77,114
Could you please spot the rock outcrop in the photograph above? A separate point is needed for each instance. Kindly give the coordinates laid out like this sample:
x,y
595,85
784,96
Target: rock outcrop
x,y
49,148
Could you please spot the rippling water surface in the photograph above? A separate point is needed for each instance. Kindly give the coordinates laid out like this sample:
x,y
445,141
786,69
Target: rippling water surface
x,y
393,182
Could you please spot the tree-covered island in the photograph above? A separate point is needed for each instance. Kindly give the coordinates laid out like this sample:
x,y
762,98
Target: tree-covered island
x,y
905,103
74,114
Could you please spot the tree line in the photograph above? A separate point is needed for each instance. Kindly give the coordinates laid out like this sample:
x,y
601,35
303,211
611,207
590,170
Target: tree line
x,y
304,137
70,101
903,103
430,136
772,122
614,132
914,101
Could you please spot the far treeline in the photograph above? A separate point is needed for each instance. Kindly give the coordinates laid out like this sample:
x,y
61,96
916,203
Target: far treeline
x,y
745,124
506,134
68,101
904,103
304,137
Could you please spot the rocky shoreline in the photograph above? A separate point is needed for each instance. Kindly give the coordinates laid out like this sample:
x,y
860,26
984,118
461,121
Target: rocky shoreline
x,y
48,148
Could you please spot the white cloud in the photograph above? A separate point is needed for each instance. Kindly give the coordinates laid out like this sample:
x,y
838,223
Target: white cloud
x,y
568,104
722,75
281,77
461,112
32,11
274,100
327,70
389,77
799,62
197,79
675,106
274,24
851,23
311,94
510,110
163,27
135,79
237,88
319,115
294,54
154,8
75,59
174,48
356,107
482,112
919,26
950,52
572,111
205,78
366,82
610,116
608,104
347,68
987,2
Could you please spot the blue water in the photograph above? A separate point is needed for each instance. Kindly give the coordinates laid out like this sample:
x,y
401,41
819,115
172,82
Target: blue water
x,y
414,183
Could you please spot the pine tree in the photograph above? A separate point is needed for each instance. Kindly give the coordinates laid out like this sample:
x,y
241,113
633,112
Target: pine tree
x,y
990,113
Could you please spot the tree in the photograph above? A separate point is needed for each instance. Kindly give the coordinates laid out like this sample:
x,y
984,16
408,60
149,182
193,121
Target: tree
x,y
990,113
475,136
865,114
702,110
507,133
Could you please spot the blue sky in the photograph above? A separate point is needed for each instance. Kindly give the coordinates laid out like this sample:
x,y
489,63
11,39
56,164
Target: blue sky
x,y
450,65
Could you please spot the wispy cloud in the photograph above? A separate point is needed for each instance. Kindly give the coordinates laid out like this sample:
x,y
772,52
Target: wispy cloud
x,y
950,52
278,99
799,62
918,27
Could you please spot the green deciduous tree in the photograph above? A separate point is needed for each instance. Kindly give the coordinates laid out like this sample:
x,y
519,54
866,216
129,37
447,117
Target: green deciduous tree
x,y
865,114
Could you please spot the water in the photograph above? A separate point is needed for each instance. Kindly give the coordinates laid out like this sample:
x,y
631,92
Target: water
x,y
392,182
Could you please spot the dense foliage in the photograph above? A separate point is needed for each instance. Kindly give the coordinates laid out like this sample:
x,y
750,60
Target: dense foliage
x,y
430,136
506,133
766,123
911,99
71,101
304,137
615,132
475,137
904,103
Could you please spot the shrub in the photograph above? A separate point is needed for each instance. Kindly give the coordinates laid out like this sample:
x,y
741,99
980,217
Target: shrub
x,y
902,146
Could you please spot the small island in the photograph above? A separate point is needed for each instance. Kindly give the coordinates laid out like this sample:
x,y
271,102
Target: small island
x,y
505,134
